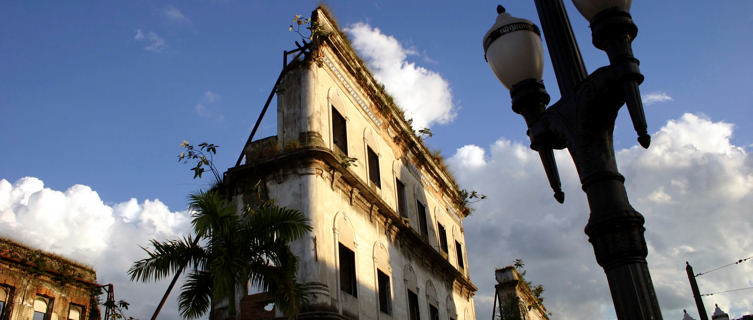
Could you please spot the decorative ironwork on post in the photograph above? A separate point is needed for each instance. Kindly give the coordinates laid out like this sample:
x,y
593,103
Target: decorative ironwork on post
x,y
583,122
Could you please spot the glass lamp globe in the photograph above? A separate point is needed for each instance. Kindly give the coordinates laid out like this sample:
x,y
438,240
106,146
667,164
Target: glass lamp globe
x,y
513,49
589,8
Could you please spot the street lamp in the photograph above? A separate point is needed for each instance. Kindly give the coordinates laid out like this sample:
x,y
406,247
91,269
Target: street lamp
x,y
583,122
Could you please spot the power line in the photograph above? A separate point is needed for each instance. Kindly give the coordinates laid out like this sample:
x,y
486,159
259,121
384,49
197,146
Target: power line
x,y
733,290
726,265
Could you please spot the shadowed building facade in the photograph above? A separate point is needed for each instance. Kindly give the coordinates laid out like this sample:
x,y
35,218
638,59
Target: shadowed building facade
x,y
387,217
36,285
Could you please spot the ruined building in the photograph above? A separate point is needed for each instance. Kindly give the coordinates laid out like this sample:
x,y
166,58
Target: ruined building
x,y
387,217
36,285
515,299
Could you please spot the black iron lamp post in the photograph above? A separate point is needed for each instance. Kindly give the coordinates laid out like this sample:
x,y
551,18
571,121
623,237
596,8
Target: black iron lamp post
x,y
583,122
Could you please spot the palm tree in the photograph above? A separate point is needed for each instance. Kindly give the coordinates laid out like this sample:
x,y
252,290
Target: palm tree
x,y
228,251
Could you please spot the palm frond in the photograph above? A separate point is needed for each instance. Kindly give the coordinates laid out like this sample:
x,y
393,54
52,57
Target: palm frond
x,y
166,258
196,295
278,222
211,213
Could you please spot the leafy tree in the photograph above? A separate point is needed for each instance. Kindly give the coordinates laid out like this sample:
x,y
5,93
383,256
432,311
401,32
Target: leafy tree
x,y
228,250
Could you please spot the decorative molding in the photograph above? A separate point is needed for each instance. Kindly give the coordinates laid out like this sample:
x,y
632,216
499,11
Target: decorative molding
x,y
352,91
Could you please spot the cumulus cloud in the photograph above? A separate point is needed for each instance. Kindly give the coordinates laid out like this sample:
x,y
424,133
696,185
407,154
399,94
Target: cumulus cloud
x,y
423,94
656,97
154,43
693,185
174,15
77,224
206,105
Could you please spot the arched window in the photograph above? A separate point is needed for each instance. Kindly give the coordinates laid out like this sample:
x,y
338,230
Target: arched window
x,y
431,298
346,253
75,312
338,122
4,296
372,157
411,285
451,313
41,308
383,277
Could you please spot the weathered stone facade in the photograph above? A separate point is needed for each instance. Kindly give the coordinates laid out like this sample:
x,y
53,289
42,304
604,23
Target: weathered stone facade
x,y
387,239
36,284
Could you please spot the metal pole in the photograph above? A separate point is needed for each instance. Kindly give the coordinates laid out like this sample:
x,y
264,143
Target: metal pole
x,y
563,50
696,294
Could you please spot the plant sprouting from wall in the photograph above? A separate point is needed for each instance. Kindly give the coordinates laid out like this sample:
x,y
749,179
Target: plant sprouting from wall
x,y
538,289
425,133
301,23
203,154
470,197
346,161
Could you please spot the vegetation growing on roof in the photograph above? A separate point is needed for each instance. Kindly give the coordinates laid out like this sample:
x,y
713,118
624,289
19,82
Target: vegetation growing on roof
x,y
365,79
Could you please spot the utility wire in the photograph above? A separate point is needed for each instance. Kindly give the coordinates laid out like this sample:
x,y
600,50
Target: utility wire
x,y
726,265
733,290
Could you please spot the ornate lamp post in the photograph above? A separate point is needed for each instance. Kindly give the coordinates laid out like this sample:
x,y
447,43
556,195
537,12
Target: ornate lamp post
x,y
583,122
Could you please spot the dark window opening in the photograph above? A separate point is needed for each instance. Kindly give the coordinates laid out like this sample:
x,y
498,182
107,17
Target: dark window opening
x,y
339,132
385,301
347,271
4,296
442,238
401,198
433,312
374,167
413,306
459,251
421,212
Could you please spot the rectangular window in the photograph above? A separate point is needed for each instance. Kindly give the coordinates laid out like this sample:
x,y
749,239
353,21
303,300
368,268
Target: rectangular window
x,y
385,300
339,132
421,212
459,251
413,306
401,198
374,167
442,237
433,312
347,271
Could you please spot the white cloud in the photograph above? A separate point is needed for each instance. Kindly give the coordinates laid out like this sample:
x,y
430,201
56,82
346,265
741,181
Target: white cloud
x,y
694,187
174,15
208,102
656,97
423,94
154,42
77,224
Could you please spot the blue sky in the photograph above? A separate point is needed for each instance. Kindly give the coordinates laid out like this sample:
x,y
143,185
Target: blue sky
x,y
100,94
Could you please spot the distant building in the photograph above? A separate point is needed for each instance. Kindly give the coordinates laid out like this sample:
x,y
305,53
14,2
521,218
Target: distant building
x,y
36,285
515,299
719,314
387,217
